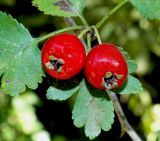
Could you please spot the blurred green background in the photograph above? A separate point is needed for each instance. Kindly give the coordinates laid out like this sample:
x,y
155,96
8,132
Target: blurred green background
x,y
31,117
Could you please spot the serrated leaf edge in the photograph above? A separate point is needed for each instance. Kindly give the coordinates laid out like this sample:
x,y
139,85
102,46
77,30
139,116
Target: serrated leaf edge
x,y
39,80
66,14
101,128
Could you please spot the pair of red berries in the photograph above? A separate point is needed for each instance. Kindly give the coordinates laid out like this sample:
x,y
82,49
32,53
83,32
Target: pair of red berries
x,y
64,56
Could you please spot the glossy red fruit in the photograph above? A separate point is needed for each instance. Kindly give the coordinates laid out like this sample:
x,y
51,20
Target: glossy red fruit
x,y
105,67
63,56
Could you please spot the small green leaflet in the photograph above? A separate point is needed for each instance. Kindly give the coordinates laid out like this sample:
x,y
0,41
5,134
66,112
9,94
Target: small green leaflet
x,y
93,110
65,8
20,63
54,93
132,66
131,86
150,9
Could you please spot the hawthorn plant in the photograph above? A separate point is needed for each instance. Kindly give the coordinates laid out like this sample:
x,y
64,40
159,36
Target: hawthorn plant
x,y
106,70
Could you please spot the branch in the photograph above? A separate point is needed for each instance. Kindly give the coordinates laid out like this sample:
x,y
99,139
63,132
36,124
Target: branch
x,y
126,127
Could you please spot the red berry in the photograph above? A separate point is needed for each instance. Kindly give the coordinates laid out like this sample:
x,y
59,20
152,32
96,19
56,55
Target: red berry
x,y
63,56
105,67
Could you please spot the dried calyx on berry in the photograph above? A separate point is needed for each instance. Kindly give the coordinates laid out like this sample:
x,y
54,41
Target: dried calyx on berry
x,y
110,81
55,64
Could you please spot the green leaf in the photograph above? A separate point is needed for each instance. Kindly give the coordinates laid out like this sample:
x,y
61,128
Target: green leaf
x,y
150,9
64,8
93,110
125,54
131,86
132,66
60,94
19,58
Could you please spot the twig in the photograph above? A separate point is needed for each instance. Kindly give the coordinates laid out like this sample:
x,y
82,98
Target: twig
x,y
126,127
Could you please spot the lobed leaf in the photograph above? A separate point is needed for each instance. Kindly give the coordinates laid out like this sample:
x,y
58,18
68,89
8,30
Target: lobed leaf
x,y
125,54
131,86
93,110
65,8
132,66
54,93
150,9
20,63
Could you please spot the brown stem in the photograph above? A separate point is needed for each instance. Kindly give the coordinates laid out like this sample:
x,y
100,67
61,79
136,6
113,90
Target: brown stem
x,y
126,127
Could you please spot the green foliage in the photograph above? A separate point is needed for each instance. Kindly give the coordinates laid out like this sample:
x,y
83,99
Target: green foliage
x,y
131,86
60,94
19,57
20,65
132,66
93,110
64,8
150,9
